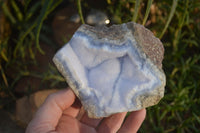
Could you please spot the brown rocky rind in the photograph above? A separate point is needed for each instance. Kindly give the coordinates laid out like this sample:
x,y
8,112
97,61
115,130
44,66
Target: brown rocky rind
x,y
150,45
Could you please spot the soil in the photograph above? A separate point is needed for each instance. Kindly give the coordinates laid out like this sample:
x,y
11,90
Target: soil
x,y
9,125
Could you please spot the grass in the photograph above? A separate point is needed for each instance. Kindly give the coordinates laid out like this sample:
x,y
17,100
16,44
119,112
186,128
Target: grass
x,y
178,111
176,23
21,29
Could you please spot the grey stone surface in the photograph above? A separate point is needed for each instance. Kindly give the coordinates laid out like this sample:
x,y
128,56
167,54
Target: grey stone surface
x,y
113,69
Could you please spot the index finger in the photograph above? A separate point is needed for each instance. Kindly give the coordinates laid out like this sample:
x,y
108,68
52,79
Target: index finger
x,y
133,122
47,116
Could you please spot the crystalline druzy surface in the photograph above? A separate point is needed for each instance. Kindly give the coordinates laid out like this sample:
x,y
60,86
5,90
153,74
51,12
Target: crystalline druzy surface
x,y
113,69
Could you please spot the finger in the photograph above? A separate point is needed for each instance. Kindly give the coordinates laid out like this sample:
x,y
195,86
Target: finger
x,y
74,109
90,121
133,122
47,116
111,124
69,124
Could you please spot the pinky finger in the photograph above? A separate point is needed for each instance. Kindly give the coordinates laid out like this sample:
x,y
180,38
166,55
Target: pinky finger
x,y
133,122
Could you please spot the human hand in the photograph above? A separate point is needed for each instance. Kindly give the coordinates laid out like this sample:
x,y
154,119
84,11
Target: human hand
x,y
59,112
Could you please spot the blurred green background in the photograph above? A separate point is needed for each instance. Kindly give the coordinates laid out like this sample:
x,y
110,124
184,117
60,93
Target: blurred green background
x,y
26,36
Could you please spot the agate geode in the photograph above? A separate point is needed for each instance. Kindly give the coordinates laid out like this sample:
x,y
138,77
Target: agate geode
x,y
113,69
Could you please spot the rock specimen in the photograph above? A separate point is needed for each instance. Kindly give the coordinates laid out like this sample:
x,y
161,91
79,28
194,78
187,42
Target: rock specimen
x,y
113,69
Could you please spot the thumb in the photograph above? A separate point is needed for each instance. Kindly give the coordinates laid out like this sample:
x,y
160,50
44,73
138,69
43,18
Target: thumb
x,y
48,115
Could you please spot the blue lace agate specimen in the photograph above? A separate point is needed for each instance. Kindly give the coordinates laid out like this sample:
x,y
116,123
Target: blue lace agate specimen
x,y
113,69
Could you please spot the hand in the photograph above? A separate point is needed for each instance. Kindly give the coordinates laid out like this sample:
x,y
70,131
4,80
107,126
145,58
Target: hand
x,y
59,114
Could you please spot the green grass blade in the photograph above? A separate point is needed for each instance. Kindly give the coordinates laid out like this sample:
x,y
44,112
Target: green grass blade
x,y
41,18
54,5
26,5
80,11
4,56
20,41
197,117
182,21
147,11
4,77
8,13
32,10
136,9
172,12
48,7
17,10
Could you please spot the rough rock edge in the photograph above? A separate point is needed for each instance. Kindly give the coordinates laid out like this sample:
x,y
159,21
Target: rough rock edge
x,y
151,45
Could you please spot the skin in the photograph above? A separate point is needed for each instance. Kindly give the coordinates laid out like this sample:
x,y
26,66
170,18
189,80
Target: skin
x,y
60,114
